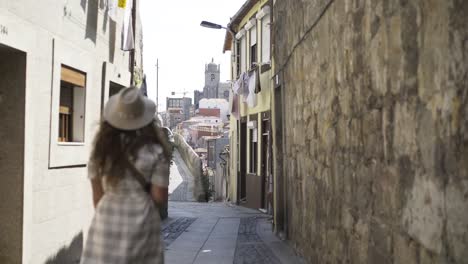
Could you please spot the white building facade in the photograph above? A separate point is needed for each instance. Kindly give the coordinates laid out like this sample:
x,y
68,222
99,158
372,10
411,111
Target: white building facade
x,y
59,62
216,103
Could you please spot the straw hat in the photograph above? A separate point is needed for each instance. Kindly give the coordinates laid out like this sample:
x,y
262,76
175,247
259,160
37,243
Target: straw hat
x,y
129,110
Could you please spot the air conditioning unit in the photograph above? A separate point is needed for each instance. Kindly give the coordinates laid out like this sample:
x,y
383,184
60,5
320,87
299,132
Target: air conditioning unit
x,y
252,124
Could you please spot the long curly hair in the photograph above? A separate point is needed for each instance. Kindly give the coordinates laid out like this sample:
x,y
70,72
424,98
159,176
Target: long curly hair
x,y
112,145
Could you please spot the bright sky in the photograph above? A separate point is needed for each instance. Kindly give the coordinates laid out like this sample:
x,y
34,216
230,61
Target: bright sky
x,y
172,33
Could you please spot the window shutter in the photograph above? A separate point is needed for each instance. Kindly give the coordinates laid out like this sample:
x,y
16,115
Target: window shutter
x,y
266,39
243,54
253,36
73,76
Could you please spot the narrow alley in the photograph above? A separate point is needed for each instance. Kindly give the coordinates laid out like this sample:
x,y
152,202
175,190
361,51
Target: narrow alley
x,y
216,232
312,131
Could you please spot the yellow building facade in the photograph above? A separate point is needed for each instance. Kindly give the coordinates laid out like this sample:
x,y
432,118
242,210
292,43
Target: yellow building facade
x,y
251,174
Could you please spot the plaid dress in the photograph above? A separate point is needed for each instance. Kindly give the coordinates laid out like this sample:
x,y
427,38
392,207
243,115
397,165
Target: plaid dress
x,y
126,226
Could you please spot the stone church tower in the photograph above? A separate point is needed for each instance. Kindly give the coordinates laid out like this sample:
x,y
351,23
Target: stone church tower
x,y
212,71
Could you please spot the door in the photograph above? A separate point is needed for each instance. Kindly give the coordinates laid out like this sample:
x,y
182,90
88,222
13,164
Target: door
x,y
267,180
243,159
12,107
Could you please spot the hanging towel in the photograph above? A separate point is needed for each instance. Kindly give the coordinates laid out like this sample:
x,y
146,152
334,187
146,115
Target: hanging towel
x,y
244,86
258,88
128,42
236,86
252,96
235,106
112,9
245,83
143,87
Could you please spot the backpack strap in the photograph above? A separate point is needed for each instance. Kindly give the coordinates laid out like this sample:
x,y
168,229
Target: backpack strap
x,y
137,175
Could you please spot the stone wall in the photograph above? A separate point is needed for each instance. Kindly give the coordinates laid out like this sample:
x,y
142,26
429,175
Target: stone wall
x,y
193,163
376,128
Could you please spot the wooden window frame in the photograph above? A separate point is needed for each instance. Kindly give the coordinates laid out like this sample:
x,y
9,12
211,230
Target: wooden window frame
x,y
75,79
64,124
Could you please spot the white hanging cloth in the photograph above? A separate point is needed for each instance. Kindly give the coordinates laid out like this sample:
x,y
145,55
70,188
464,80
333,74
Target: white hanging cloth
x,y
128,43
252,97
112,9
236,86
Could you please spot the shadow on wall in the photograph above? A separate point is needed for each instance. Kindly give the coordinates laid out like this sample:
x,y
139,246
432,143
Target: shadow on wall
x,y
69,254
83,4
103,6
92,21
112,39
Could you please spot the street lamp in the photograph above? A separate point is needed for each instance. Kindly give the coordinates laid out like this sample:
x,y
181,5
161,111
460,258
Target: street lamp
x,y
234,55
216,26
211,25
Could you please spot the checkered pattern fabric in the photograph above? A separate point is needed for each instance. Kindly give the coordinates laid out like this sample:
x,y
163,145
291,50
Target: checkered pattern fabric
x,y
126,225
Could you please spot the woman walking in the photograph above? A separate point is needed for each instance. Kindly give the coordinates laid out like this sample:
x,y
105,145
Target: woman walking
x,y
128,172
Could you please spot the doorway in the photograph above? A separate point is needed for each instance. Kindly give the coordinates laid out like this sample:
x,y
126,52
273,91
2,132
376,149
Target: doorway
x,y
243,159
12,109
267,177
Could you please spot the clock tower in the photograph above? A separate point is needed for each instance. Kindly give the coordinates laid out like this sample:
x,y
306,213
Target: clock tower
x,y
212,71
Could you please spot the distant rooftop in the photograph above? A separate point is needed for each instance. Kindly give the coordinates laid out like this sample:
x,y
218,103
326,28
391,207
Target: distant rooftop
x,y
220,100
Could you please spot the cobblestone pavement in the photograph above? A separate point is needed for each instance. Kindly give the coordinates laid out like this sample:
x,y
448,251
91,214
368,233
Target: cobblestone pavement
x,y
172,231
181,182
250,247
222,233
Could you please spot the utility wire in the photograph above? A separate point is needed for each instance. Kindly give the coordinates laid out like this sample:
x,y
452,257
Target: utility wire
x,y
305,36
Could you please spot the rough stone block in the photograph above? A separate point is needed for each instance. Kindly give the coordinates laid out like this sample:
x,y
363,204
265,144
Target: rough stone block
x,y
405,250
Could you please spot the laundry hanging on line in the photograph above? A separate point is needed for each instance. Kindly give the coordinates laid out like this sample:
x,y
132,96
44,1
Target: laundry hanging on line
x,y
258,88
112,9
251,99
128,42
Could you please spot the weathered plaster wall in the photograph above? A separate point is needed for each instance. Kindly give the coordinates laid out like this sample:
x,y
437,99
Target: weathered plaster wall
x,y
263,104
12,90
376,117
219,179
233,158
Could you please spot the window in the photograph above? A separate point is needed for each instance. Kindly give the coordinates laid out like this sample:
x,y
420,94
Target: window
x,y
264,17
253,47
241,51
114,88
266,39
72,105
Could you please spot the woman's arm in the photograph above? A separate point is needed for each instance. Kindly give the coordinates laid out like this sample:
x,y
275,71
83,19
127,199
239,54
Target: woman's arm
x,y
98,191
159,195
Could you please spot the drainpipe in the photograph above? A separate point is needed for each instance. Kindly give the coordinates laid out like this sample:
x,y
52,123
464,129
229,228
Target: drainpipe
x,y
132,53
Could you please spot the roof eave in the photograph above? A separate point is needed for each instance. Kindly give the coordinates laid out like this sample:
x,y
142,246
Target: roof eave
x,y
235,20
